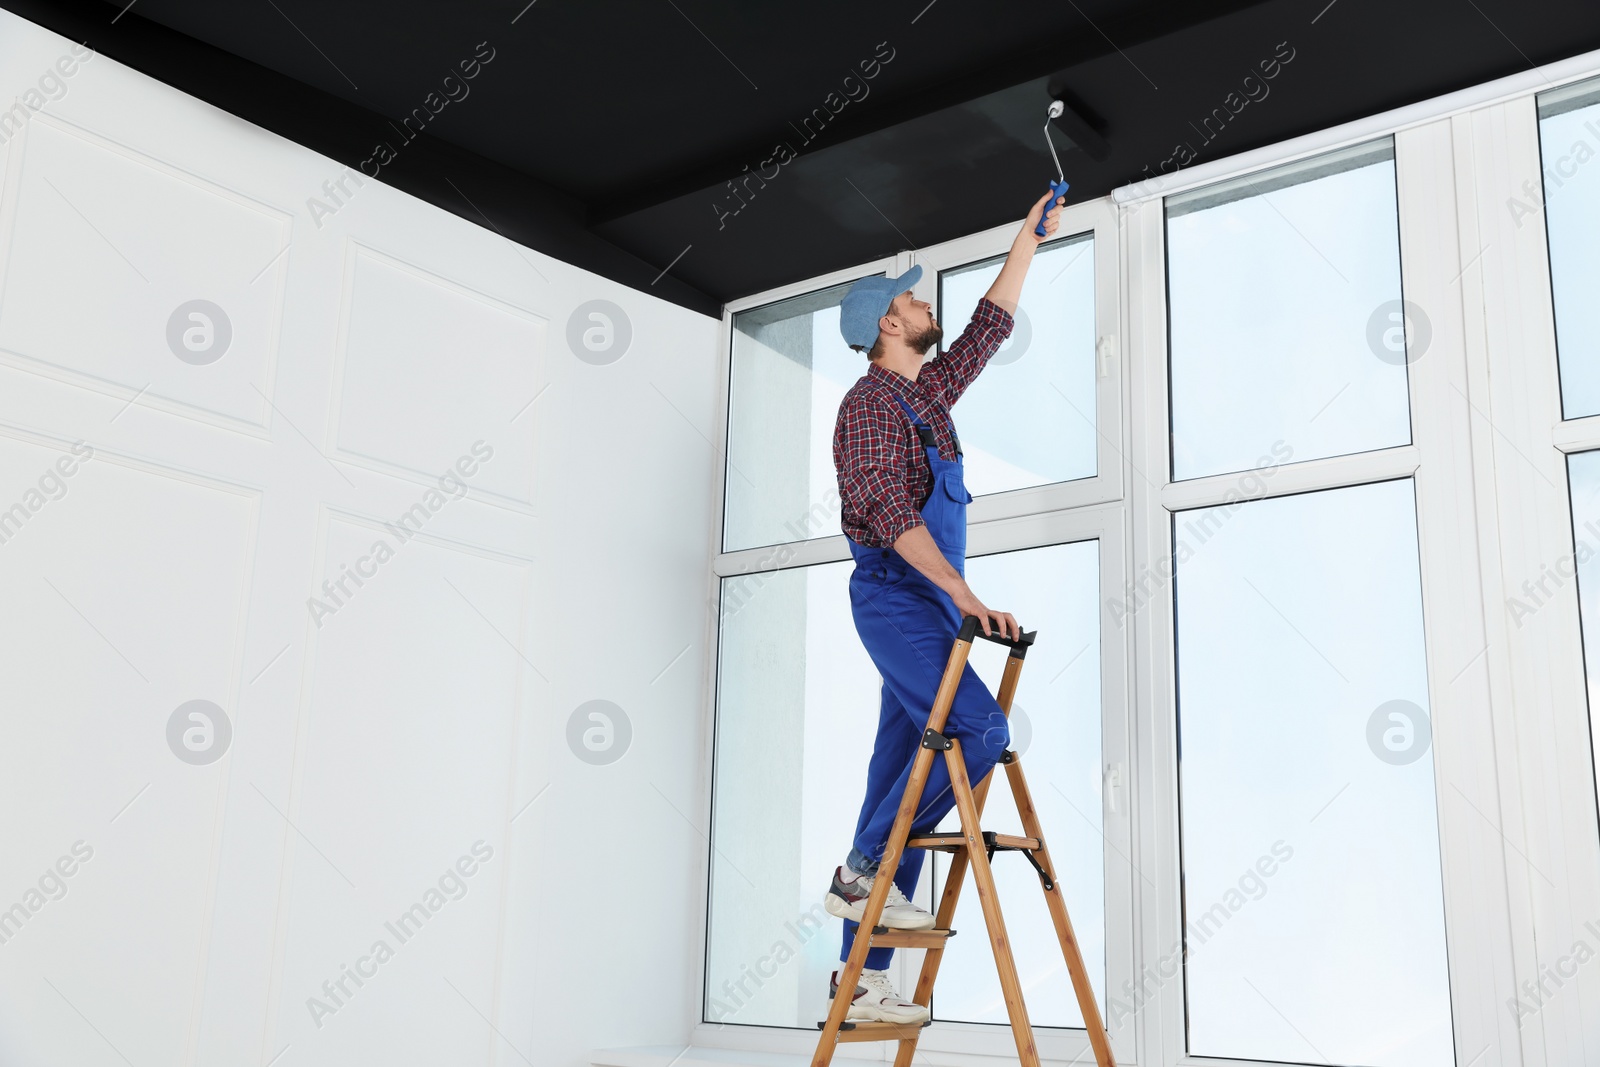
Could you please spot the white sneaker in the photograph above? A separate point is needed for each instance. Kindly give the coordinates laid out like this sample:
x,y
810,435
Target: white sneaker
x,y
877,1002
847,898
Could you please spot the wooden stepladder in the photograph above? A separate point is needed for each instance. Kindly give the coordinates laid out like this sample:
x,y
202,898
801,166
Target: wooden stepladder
x,y
972,847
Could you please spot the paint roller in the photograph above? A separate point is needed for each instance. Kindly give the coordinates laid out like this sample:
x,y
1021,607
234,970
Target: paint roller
x,y
1059,186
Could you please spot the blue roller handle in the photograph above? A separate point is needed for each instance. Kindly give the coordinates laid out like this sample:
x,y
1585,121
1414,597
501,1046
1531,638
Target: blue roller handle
x,y
1057,189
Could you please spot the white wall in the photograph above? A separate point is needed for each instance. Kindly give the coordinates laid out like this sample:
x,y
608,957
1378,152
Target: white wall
x,y
372,746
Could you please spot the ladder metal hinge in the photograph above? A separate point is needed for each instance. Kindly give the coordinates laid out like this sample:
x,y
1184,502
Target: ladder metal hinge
x,y
1043,877
933,739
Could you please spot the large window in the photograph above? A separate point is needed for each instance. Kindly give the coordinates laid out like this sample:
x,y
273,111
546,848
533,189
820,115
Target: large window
x,y
1311,879
798,697
1296,468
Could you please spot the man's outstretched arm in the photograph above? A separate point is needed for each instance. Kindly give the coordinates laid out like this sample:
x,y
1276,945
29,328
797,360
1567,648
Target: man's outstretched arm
x,y
949,374
1007,287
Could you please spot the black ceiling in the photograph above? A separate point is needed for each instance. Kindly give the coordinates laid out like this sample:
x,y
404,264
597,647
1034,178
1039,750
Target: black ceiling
x,y
604,133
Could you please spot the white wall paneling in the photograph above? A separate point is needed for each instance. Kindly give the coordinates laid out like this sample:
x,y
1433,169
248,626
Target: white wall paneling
x,y
418,719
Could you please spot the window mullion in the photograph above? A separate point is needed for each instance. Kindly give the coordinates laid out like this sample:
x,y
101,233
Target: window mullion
x,y
1459,620
1536,662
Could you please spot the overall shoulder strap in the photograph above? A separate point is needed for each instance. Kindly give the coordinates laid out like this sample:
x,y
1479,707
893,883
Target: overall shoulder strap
x,y
924,431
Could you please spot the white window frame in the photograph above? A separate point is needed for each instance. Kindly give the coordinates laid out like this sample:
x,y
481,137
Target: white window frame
x,y
1521,440
1463,751
1516,798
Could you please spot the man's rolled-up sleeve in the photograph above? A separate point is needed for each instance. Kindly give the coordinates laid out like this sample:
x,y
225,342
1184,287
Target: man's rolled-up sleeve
x,y
885,505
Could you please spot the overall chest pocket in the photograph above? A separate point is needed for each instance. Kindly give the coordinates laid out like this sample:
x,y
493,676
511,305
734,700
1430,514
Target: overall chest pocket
x,y
956,491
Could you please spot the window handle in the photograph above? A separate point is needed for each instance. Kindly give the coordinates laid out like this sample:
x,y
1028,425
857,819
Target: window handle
x,y
1113,787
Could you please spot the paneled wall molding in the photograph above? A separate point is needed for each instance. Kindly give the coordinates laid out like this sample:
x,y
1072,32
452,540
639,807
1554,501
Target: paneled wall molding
x,y
299,645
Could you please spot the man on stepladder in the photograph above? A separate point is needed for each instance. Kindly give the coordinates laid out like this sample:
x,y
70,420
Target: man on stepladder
x,y
904,509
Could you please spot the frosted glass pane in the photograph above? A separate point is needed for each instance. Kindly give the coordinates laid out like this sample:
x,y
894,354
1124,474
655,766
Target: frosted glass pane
x,y
1311,877
1056,730
1569,140
1287,337
1029,419
797,710
790,371
1583,475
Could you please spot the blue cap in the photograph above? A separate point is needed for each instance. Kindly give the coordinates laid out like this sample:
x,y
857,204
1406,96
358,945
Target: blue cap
x,y
867,302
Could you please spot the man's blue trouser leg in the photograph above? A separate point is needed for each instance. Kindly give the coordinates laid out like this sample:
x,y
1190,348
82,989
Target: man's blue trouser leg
x,y
908,626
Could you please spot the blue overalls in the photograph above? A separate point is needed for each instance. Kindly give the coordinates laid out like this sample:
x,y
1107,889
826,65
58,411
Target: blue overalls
x,y
908,625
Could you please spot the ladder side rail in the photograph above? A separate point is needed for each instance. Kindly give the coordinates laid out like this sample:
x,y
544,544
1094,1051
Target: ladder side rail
x,y
1058,914
983,879
890,863
946,913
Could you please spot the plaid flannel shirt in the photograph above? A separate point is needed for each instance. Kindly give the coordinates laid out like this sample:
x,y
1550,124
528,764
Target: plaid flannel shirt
x,y
884,478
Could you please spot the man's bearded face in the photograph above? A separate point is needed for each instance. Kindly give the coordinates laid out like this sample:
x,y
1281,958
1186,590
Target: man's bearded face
x,y
922,329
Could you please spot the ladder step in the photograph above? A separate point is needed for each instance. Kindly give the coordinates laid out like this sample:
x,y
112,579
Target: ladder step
x,y
883,937
849,1031
957,842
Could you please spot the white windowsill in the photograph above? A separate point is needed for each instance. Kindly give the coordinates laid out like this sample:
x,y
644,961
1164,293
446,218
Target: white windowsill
x,y
949,1044
704,1056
